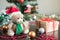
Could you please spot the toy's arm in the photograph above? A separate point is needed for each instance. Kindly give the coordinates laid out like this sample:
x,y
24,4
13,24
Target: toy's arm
x,y
10,30
10,25
26,27
14,27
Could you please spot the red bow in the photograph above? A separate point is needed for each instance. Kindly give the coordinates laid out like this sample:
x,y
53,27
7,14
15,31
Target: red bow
x,y
47,19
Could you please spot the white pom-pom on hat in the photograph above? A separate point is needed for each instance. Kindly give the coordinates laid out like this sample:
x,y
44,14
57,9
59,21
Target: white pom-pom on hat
x,y
16,13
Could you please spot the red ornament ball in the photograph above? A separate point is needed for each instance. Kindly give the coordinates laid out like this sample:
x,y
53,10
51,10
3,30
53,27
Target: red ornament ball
x,y
20,1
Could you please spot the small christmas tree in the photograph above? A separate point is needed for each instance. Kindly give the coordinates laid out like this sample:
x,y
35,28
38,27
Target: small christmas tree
x,y
24,5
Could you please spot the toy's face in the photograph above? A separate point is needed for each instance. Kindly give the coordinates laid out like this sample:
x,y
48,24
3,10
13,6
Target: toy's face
x,y
18,18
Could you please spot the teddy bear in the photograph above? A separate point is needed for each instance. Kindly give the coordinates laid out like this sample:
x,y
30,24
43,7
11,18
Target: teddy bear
x,y
17,25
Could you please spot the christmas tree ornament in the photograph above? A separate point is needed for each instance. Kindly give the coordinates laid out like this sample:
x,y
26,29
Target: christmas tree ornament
x,y
20,1
41,30
32,34
34,17
5,29
28,9
35,7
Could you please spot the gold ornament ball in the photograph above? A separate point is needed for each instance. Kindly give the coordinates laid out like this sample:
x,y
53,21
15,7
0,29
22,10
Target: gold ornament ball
x,y
5,27
32,34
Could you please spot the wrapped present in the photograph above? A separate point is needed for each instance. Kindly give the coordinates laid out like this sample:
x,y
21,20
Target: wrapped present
x,y
48,24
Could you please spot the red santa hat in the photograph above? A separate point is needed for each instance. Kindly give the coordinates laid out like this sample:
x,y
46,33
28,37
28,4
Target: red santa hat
x,y
12,9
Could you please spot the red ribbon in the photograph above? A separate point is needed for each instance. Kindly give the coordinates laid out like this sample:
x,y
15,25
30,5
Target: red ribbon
x,y
47,19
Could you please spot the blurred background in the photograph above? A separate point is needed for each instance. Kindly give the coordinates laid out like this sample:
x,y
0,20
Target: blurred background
x,y
44,6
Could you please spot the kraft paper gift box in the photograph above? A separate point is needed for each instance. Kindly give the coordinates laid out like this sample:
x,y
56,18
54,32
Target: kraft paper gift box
x,y
48,24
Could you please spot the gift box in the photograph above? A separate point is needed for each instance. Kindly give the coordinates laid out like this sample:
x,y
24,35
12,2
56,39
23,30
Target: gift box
x,y
48,24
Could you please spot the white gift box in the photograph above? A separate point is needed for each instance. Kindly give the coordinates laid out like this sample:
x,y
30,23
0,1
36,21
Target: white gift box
x,y
49,25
